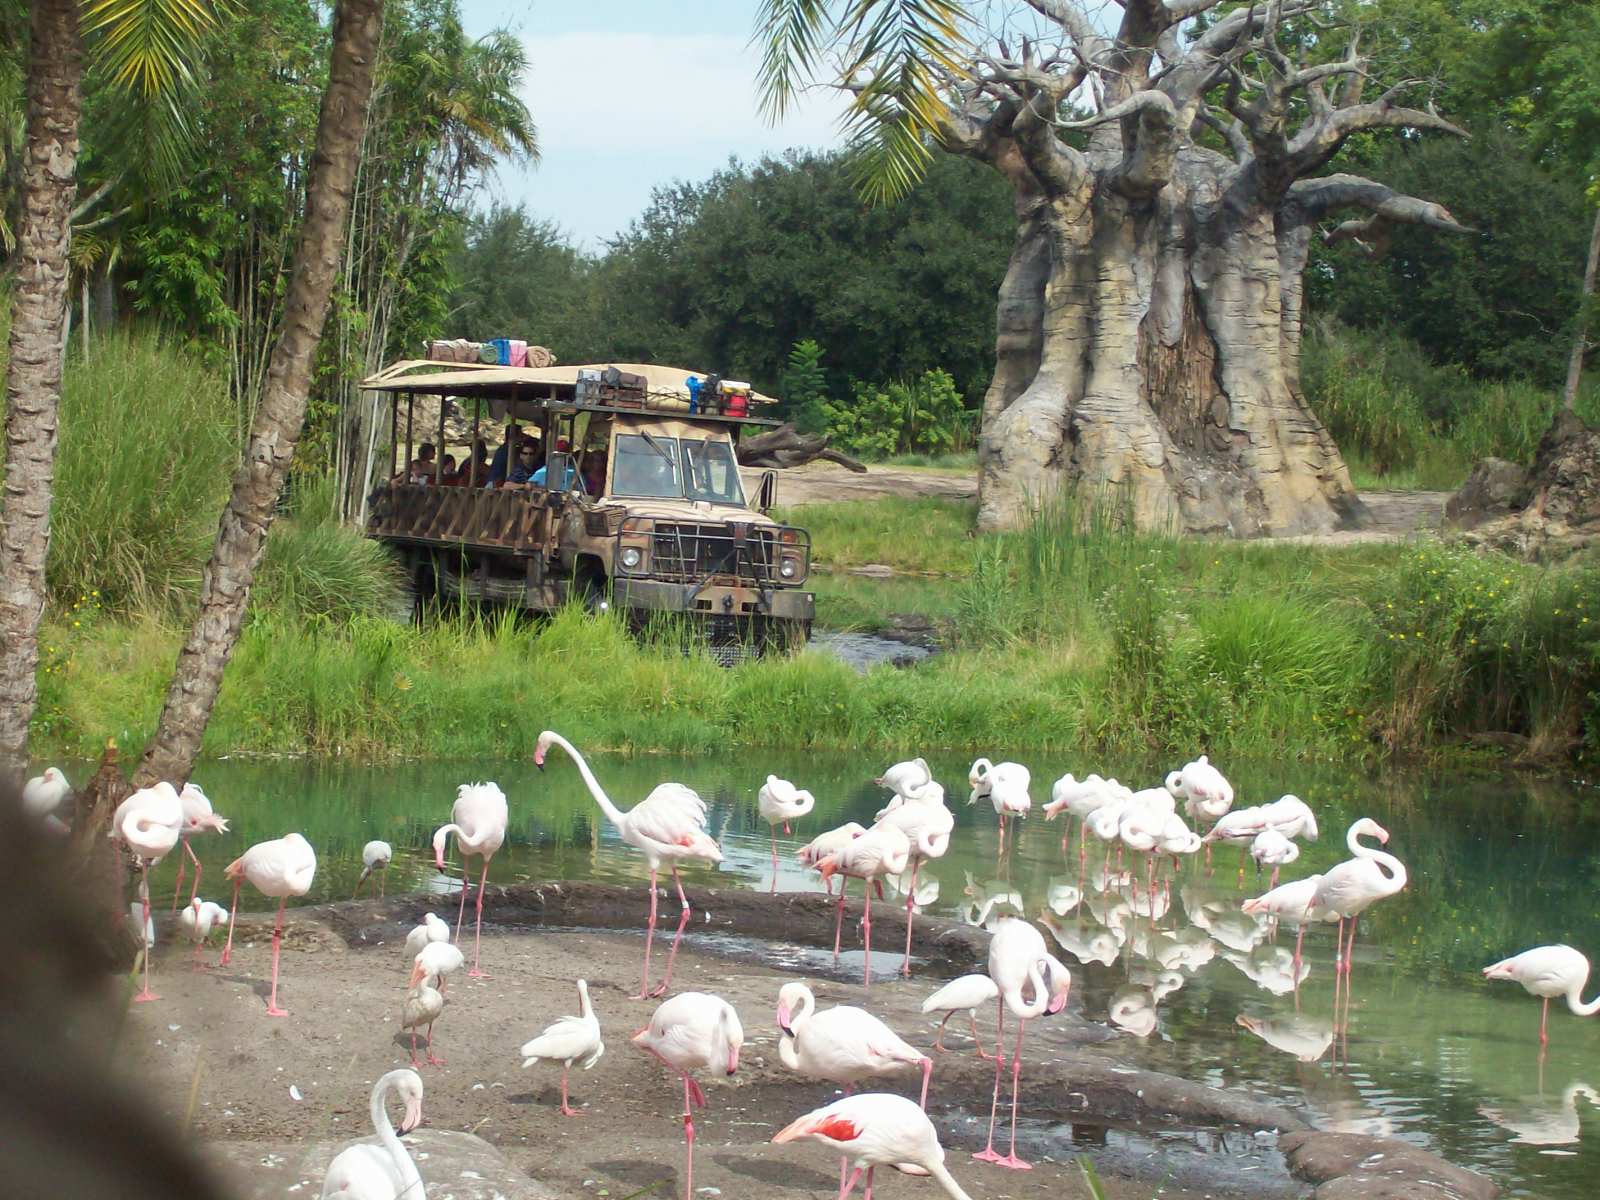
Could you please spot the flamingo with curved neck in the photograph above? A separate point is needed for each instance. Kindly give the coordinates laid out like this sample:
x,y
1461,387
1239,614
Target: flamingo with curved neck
x,y
668,827
1549,972
479,819
385,1170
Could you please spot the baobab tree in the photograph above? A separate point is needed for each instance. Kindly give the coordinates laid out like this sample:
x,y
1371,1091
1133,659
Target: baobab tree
x,y
1149,323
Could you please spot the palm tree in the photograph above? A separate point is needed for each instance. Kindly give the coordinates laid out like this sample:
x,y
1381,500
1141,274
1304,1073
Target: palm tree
x,y
145,47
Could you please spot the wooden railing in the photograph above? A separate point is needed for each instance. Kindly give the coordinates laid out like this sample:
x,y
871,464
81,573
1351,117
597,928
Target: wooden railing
x,y
512,519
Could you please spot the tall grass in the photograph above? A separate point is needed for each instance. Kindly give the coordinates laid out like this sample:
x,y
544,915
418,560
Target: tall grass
x,y
316,568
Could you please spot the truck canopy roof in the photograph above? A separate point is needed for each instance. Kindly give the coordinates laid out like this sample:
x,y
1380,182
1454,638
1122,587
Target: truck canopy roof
x,y
520,393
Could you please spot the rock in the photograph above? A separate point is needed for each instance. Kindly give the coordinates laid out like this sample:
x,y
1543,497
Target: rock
x,y
873,571
456,1164
1558,507
1492,490
1357,1166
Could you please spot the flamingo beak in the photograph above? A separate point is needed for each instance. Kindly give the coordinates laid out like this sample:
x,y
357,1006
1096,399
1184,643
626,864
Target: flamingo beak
x,y
418,974
413,1116
538,758
733,1059
783,1019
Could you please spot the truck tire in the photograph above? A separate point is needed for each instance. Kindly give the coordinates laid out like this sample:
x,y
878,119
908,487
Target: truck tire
x,y
424,589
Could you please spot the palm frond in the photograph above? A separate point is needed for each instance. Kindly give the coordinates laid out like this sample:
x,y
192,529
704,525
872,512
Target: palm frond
x,y
792,35
148,47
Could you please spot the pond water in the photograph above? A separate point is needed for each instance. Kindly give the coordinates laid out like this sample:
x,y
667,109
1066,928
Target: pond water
x,y
1430,1052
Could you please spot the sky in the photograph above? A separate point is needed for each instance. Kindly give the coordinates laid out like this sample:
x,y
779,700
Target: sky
x,y
632,94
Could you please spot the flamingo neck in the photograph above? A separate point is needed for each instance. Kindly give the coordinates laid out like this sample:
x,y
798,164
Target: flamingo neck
x,y
803,1010
584,1006
788,1052
384,1128
1577,1005
946,1181
1027,1010
613,814
1394,873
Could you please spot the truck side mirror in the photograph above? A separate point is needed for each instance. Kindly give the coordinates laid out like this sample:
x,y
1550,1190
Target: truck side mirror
x,y
557,464
767,492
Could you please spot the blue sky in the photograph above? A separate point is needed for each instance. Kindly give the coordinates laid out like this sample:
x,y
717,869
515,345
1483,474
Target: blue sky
x,y
629,94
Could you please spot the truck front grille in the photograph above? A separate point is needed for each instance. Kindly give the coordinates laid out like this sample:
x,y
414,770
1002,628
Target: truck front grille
x,y
692,552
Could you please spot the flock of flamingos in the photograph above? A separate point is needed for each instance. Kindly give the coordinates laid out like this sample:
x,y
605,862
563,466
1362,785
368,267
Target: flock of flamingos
x,y
698,1032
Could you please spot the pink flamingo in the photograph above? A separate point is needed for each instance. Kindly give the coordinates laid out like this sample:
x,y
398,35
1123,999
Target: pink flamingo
x,y
149,823
874,1130
478,819
1548,972
824,844
882,850
843,1044
197,818
1018,959
780,802
964,994
667,826
693,1031
927,824
283,867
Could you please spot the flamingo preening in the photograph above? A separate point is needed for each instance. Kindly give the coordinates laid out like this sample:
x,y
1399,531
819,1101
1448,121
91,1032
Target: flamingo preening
x,y
1005,785
432,929
780,802
825,843
1549,972
906,780
965,994
148,823
873,1130
362,1171
882,850
375,857
668,826
197,818
570,1040
197,922
42,798
693,1031
283,867
927,824
478,819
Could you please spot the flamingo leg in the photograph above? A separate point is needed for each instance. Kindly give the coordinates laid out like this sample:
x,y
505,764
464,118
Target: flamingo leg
x,y
976,1040
848,1184
1002,835
1011,1160
911,910
177,884
774,889
688,1138
383,879
683,920
477,933
838,919
1544,1019
277,941
144,896
566,1109
988,1154
414,1060
866,934
870,1170
227,951
938,1038
431,1060
927,1074
461,910
649,936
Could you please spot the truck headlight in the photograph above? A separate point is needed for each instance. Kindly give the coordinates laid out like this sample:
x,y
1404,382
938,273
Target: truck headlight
x,y
632,556
788,568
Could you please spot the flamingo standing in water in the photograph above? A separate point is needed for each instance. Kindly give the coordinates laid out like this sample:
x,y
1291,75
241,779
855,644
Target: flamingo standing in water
x,y
927,824
1079,798
967,993
843,1044
824,844
668,826
362,1171
1005,785
478,819
693,1031
376,856
1549,972
874,1130
1270,848
283,867
569,1040
906,780
1017,960
1348,889
148,823
781,802
882,850
197,818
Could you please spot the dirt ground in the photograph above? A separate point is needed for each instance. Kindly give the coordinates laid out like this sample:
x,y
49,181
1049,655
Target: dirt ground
x,y
207,1046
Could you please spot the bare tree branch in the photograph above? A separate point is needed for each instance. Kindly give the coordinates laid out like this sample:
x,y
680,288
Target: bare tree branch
x,y
1319,196
1231,131
1320,139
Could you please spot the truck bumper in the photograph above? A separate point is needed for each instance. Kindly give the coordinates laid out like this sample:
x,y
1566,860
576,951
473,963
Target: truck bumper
x,y
714,600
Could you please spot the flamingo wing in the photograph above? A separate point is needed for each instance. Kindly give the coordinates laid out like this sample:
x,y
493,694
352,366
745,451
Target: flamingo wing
x,y
568,1039
362,1172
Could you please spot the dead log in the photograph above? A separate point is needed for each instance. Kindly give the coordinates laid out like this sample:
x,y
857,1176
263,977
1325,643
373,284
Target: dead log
x,y
786,446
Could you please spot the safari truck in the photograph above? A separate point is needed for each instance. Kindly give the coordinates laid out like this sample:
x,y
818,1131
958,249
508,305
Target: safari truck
x,y
640,505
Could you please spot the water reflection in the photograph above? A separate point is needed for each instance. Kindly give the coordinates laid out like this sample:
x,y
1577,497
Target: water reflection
x,y
1305,1037
1541,1120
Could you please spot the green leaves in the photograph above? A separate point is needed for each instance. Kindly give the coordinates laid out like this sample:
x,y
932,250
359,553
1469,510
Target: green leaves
x,y
149,46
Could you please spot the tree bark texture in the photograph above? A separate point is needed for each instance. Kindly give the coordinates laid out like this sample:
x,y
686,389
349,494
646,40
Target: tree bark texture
x,y
1580,340
1148,326
33,372
241,536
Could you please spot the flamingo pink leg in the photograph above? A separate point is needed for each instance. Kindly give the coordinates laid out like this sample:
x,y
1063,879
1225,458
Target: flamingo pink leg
x,y
848,1185
927,1074
649,936
177,884
277,940
1544,1018
688,1138
838,917
477,933
431,1060
683,920
774,889
866,935
1011,1160
414,1061
227,951
566,1109
461,910
911,910
870,1170
938,1038
144,895
988,1153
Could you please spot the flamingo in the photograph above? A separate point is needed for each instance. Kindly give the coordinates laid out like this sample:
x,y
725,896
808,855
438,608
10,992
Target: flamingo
x,y
43,795
362,1171
1006,787
906,780
781,802
1288,815
149,823
1206,794
283,867
569,1040
843,1044
198,920
376,856
1548,972
478,819
1293,902
668,826
882,850
1271,848
693,1031
1018,959
825,844
424,1002
432,929
1079,798
439,960
968,993
197,818
927,824
873,1130
1351,887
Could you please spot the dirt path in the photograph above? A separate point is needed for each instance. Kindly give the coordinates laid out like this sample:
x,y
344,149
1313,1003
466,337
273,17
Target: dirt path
x,y
208,1041
1394,516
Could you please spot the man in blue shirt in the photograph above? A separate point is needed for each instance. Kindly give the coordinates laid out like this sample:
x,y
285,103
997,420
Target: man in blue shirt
x,y
538,479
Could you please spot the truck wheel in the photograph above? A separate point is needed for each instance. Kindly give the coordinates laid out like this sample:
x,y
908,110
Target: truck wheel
x,y
424,590
594,591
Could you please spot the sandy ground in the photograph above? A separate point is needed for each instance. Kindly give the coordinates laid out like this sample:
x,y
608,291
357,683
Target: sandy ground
x,y
207,1045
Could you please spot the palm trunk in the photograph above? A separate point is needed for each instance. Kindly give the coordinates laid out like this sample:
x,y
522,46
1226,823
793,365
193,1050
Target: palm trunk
x,y
1580,341
242,534
33,371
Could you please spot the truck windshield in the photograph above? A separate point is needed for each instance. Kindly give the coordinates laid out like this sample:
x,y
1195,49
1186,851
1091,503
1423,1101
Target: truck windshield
x,y
710,472
646,467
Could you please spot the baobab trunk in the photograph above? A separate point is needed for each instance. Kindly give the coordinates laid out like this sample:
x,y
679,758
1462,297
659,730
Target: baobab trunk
x,y
33,371
242,534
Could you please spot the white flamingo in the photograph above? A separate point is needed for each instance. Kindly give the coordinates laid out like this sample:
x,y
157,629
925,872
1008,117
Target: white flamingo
x,y
423,1004
432,929
1549,972
1351,887
376,856
824,844
198,817
906,780
668,827
283,867
148,823
780,802
927,824
362,1171
1078,798
693,1031
964,994
1271,848
873,1130
439,960
570,1040
843,1044
478,818
882,850
1005,785
42,798
197,922
1206,794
